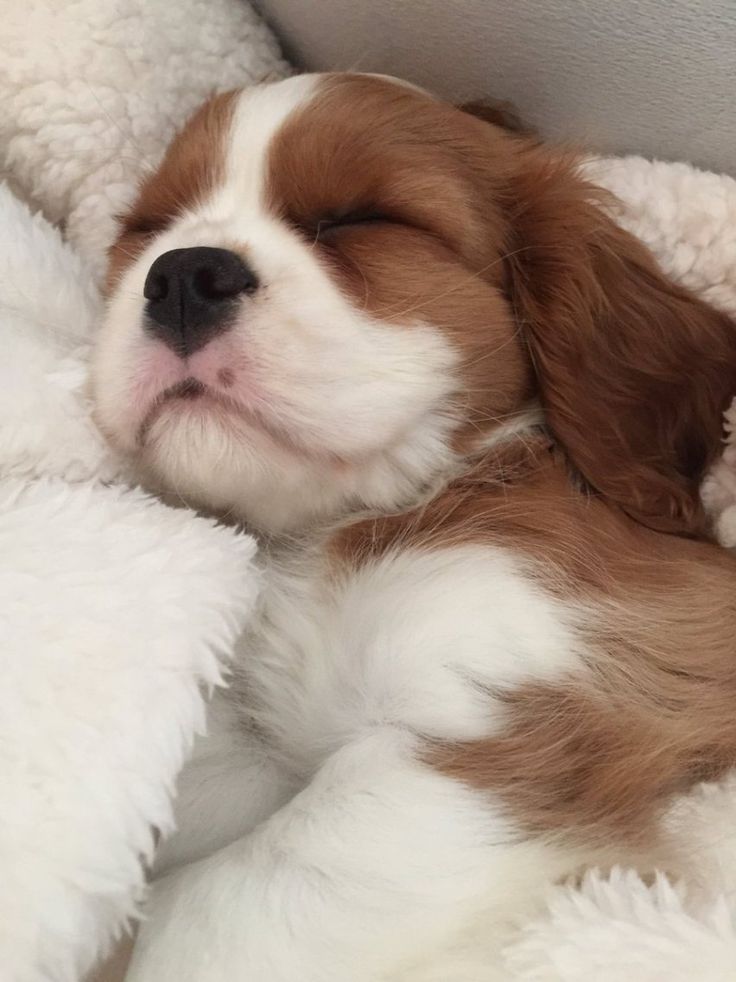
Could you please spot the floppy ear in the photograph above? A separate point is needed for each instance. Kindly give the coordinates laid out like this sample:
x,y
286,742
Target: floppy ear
x,y
634,372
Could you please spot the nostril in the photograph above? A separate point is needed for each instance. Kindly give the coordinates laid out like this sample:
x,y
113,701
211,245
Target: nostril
x,y
223,280
201,274
192,295
221,276
156,287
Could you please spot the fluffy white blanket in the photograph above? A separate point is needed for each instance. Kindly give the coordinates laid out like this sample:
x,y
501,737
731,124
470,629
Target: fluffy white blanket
x,y
115,611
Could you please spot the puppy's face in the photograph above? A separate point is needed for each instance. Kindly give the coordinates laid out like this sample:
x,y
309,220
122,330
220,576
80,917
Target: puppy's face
x,y
334,287
306,309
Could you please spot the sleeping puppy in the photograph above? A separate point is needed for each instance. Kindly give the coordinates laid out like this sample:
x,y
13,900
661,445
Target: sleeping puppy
x,y
468,416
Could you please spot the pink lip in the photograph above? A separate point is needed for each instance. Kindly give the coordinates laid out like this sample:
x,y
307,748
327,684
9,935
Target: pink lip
x,y
216,380
161,375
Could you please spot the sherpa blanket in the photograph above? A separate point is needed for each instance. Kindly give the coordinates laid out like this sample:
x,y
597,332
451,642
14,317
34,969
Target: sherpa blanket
x,y
118,613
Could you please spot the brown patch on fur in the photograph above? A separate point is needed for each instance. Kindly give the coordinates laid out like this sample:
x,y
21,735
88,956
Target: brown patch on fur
x,y
603,753
192,165
367,147
422,246
406,277
634,371
497,239
569,763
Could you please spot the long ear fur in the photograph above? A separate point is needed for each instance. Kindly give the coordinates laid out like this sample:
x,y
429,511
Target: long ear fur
x,y
634,372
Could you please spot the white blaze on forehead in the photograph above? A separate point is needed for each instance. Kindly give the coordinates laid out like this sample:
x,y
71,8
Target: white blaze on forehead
x,y
259,115
316,377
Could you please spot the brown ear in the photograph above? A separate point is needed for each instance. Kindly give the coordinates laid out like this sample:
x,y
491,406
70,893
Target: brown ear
x,y
634,371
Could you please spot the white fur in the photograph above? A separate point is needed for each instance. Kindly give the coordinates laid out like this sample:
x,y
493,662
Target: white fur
x,y
377,859
418,639
341,682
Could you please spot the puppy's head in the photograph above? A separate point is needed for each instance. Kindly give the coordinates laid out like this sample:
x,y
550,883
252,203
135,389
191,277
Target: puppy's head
x,y
335,287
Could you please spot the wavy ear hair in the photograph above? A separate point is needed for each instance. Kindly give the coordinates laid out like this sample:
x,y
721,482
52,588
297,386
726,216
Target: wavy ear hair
x,y
634,372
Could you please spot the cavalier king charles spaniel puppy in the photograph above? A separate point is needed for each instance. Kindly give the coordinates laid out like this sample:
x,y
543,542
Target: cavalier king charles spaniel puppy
x,y
467,417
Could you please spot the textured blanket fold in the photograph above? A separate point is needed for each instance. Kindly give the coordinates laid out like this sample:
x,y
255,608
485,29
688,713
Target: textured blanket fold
x,y
117,614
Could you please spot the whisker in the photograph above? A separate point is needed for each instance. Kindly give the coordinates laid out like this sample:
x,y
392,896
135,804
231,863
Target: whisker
x,y
469,278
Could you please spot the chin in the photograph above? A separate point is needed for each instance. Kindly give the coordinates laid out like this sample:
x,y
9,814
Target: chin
x,y
213,456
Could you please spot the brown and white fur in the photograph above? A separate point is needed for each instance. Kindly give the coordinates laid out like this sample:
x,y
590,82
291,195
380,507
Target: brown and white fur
x,y
468,417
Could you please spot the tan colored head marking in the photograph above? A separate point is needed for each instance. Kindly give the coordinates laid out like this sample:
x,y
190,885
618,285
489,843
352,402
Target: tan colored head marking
x,y
192,166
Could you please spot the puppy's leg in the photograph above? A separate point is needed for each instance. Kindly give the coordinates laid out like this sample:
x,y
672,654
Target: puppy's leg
x,y
378,860
228,787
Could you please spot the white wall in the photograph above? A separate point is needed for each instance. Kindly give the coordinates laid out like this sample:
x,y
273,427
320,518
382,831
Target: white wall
x,y
656,77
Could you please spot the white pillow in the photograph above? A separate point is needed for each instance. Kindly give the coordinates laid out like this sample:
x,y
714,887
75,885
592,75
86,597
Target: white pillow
x,y
93,90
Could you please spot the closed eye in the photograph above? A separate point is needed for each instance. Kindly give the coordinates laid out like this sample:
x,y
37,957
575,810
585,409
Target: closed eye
x,y
141,225
328,222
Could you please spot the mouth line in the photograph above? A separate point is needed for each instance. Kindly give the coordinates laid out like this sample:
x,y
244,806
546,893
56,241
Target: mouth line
x,y
191,390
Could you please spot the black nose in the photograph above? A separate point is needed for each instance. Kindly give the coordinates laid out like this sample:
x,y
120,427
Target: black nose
x,y
192,295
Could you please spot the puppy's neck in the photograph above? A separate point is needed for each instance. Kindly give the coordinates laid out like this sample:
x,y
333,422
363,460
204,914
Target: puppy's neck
x,y
489,458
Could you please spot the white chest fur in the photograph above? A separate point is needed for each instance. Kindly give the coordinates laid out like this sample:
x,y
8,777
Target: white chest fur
x,y
422,640
417,639
311,789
